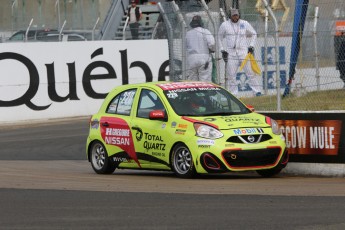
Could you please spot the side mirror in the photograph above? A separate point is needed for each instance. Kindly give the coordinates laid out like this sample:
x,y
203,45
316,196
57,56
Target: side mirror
x,y
158,115
251,108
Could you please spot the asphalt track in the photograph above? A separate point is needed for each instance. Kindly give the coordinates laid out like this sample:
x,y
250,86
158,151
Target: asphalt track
x,y
46,183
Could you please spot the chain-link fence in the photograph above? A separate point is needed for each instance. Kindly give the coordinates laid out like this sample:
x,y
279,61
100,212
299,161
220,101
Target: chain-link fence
x,y
305,58
79,15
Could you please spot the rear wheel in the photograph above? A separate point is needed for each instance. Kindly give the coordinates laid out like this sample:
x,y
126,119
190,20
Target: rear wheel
x,y
100,161
270,172
182,162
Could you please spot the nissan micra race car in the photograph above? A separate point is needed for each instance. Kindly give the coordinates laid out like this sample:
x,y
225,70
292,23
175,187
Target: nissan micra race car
x,y
189,128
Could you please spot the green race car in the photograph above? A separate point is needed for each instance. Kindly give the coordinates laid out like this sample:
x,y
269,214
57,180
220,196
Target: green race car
x,y
187,127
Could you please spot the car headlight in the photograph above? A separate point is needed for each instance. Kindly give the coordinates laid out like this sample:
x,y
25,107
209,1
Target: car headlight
x,y
207,131
274,125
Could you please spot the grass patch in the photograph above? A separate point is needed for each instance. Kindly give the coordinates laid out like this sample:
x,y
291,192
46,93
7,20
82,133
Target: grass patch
x,y
312,101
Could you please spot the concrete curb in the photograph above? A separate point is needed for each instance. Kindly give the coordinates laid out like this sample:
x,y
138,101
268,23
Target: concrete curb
x,y
315,169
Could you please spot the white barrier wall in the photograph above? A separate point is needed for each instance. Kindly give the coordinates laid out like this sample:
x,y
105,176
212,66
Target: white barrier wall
x,y
44,80
54,80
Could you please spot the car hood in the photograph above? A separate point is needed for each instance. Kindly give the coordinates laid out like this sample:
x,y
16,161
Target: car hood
x,y
250,120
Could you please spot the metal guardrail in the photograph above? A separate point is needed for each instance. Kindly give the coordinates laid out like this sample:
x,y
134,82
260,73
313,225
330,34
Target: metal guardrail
x,y
124,29
27,30
112,20
277,56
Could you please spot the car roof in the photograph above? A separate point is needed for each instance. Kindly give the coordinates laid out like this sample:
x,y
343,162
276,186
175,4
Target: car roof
x,y
36,30
136,85
32,33
168,85
52,36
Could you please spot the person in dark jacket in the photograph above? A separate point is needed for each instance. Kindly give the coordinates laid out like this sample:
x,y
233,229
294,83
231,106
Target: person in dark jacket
x,y
134,13
341,57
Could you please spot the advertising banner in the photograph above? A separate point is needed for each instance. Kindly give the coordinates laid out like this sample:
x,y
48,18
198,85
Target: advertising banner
x,y
44,80
313,137
339,27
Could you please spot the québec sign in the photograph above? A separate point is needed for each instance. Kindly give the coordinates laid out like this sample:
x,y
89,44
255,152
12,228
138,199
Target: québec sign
x,y
86,70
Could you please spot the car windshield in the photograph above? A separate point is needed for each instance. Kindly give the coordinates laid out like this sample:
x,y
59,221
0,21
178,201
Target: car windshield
x,y
210,101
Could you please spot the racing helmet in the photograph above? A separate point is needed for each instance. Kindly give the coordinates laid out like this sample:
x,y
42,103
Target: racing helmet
x,y
197,104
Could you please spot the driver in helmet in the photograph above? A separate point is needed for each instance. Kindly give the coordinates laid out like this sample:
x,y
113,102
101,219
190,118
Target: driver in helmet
x,y
198,104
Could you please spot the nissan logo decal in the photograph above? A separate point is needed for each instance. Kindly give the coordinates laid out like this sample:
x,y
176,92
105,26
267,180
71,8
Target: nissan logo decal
x,y
251,139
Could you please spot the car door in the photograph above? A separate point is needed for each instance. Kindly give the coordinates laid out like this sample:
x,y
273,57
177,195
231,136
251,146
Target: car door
x,y
151,137
116,131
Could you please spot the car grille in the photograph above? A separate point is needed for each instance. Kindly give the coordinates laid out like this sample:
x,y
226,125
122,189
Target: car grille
x,y
251,158
249,139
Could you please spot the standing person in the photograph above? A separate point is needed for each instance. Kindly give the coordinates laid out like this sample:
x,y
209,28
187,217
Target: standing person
x,y
134,14
341,57
235,45
200,44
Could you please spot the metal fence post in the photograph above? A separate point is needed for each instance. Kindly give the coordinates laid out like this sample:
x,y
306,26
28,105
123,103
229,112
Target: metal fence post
x,y
27,30
277,60
206,8
183,31
317,70
265,59
171,47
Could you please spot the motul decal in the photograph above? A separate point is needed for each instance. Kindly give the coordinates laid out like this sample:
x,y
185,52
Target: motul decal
x,y
116,131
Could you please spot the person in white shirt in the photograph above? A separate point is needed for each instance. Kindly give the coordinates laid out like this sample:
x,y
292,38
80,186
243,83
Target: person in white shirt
x,y
235,45
200,44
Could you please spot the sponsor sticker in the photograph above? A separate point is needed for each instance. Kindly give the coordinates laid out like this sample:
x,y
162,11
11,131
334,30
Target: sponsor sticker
x,y
180,131
205,142
172,95
120,159
182,126
118,133
116,136
184,85
246,131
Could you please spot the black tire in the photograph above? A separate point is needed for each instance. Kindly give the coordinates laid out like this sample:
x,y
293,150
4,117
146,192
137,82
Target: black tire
x,y
270,172
182,162
99,159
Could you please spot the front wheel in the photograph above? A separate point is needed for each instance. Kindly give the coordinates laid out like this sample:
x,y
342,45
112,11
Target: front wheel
x,y
100,161
182,162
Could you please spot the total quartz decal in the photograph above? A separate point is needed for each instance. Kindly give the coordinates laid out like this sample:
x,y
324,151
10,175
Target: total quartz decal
x,y
153,142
